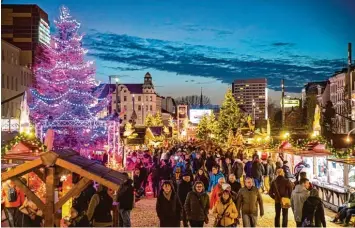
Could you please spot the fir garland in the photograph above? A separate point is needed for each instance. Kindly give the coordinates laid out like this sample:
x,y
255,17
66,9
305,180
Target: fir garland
x,y
23,137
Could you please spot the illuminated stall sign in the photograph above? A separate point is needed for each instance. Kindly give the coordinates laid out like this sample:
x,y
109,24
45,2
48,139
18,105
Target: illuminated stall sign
x,y
197,114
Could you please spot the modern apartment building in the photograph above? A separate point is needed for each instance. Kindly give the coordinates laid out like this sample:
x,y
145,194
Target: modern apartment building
x,y
252,96
15,79
26,27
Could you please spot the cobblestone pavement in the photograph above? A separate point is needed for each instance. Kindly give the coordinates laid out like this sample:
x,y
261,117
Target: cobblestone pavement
x,y
144,214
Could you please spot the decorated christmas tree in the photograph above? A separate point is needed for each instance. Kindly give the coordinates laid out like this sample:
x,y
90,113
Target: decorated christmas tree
x,y
149,120
157,121
65,82
230,117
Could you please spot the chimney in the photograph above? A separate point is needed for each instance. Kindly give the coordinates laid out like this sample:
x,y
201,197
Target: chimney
x,y
349,55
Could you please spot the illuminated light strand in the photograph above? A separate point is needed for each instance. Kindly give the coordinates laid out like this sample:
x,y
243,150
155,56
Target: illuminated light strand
x,y
35,93
61,65
75,38
68,81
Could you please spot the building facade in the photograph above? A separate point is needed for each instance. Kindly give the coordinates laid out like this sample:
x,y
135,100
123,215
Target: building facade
x,y
15,79
26,27
252,96
337,97
168,104
135,101
314,88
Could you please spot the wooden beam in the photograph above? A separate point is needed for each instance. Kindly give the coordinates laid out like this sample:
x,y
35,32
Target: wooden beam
x,y
49,208
21,169
40,174
49,158
75,190
77,169
29,194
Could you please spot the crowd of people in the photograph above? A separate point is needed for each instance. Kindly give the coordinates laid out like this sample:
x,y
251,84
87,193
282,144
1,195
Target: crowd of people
x,y
190,184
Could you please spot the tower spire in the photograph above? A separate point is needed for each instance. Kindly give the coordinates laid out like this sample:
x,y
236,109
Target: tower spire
x,y
201,99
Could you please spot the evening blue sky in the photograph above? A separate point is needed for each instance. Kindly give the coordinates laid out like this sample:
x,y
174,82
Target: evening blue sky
x,y
189,44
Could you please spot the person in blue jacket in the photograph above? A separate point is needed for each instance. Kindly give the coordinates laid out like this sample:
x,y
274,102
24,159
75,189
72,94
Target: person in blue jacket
x,y
215,175
181,164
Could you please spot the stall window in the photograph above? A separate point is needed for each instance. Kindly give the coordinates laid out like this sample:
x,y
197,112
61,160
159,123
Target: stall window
x,y
336,173
352,176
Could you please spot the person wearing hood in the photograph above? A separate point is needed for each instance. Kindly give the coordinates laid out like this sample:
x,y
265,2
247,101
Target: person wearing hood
x,y
313,211
237,169
201,176
298,197
168,207
197,205
78,219
100,206
125,198
248,200
216,191
215,175
184,187
225,211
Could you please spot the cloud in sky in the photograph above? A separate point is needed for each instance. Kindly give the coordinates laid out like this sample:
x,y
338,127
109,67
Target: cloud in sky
x,y
131,53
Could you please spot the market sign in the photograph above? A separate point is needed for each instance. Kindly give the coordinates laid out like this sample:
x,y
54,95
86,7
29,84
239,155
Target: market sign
x,y
289,103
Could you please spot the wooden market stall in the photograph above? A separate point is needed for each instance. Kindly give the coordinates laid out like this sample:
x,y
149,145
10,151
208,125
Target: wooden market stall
x,y
341,176
47,166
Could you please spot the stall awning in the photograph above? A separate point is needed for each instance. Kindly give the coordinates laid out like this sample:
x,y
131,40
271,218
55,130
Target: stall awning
x,y
348,161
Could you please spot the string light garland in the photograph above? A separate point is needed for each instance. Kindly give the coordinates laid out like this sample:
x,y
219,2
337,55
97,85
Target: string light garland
x,y
23,137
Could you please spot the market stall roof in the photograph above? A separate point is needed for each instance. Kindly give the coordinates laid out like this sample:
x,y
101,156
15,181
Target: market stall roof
x,y
348,161
71,160
5,166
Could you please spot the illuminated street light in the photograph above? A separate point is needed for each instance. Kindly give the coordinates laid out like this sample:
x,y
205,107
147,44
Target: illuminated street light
x,y
286,135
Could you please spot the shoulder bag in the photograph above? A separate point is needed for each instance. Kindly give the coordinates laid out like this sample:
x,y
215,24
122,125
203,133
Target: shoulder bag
x,y
217,222
285,201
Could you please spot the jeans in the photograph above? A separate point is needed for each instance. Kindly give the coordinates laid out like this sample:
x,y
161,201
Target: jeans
x,y
124,218
196,223
257,183
249,220
349,213
12,213
278,215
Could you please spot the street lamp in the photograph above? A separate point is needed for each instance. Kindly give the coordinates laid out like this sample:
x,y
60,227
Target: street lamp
x,y
286,135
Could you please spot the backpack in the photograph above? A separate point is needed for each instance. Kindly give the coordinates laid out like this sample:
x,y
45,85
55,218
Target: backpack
x,y
11,194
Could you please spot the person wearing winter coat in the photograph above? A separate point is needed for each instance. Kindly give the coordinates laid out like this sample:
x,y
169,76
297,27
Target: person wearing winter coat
x,y
287,170
248,168
279,188
165,170
298,197
82,201
303,175
78,219
313,211
155,179
238,169
216,192
210,162
184,187
181,164
248,200
225,211
235,186
257,172
215,175
100,207
197,163
269,174
197,205
125,198
202,176
168,207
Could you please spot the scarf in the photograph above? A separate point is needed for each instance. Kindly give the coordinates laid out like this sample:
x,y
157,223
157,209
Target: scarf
x,y
167,195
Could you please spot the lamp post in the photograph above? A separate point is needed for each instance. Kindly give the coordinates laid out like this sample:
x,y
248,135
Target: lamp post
x,y
348,140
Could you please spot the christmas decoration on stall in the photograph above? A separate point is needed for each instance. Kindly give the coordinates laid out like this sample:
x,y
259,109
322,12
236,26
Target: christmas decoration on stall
x,y
65,83
129,131
27,138
37,185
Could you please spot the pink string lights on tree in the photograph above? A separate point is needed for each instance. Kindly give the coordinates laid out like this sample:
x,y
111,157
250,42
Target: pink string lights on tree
x,y
65,82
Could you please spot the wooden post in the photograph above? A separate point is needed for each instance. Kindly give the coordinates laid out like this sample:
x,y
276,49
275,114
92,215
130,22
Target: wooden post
x,y
50,187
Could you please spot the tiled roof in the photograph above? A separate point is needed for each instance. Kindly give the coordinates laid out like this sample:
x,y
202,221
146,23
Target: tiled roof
x,y
105,89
